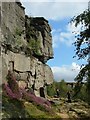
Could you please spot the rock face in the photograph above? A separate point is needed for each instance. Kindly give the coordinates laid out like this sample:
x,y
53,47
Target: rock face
x,y
38,33
26,46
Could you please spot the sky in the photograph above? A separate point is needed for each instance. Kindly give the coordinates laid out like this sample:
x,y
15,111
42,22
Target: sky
x,y
59,13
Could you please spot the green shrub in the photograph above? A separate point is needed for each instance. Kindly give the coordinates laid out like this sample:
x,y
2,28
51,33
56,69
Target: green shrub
x,y
63,88
18,32
34,45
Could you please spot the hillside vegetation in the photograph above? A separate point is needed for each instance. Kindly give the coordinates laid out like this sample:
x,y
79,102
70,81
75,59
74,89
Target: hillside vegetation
x,y
17,103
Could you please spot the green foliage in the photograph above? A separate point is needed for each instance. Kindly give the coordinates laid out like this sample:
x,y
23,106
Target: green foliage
x,y
82,40
34,111
82,45
83,73
78,92
18,40
63,88
81,90
21,109
18,32
51,90
34,45
31,32
13,108
32,35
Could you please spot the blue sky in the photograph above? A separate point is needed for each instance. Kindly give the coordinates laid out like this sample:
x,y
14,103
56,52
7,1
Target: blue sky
x,y
59,14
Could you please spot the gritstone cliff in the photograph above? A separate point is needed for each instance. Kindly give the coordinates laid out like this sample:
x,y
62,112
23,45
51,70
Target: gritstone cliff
x,y
26,46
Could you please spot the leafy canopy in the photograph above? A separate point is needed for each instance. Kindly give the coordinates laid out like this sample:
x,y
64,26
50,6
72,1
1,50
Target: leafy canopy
x,y
82,42
82,45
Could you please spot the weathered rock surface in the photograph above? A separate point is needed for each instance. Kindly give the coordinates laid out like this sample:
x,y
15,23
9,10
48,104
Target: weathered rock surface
x,y
12,22
25,65
26,45
38,32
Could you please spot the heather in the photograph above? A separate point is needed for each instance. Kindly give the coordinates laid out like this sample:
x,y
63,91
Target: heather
x,y
17,109
19,103
12,91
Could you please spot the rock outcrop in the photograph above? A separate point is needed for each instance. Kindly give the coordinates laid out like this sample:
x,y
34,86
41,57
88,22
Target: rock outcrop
x,y
38,32
26,46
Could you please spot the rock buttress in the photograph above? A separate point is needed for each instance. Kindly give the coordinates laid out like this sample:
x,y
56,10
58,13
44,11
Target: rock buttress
x,y
26,46
38,34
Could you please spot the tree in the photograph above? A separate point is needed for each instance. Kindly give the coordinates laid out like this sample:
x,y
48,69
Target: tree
x,y
51,89
82,45
63,88
82,93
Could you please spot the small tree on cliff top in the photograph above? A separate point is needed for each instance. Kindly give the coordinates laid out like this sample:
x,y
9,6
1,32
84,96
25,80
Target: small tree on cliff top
x,y
82,45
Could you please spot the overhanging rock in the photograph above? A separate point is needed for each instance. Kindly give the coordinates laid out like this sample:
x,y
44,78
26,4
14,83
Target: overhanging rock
x,y
26,46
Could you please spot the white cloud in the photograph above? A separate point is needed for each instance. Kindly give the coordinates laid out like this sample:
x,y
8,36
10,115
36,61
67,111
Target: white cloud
x,y
55,37
66,72
54,10
67,36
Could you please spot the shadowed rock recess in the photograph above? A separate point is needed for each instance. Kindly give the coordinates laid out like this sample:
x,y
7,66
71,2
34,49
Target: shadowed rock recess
x,y
26,46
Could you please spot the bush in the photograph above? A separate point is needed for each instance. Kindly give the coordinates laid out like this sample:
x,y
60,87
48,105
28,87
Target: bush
x,y
81,93
61,86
